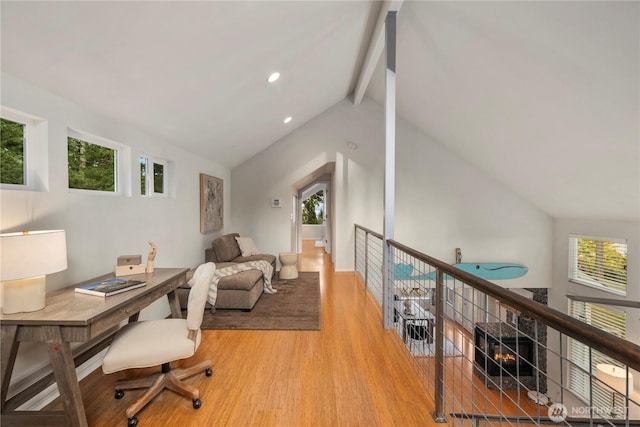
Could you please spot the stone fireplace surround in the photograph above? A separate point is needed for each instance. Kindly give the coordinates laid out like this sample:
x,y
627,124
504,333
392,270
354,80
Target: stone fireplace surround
x,y
527,327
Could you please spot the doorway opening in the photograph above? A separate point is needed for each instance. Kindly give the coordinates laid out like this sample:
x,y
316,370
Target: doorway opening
x,y
312,219
313,207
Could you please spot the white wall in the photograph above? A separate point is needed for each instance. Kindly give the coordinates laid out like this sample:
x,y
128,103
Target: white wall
x,y
99,228
441,201
273,172
312,231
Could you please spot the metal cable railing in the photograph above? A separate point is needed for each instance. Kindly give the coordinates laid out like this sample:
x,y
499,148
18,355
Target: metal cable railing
x,y
487,354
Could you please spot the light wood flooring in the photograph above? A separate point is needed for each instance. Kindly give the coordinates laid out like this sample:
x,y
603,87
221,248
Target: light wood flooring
x,y
351,373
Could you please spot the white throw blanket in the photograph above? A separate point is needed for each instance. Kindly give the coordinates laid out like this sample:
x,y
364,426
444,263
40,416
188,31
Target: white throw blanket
x,y
264,266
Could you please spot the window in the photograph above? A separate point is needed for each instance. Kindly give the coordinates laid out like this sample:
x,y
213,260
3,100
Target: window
x,y
600,263
13,145
450,296
607,319
313,208
93,163
153,176
21,151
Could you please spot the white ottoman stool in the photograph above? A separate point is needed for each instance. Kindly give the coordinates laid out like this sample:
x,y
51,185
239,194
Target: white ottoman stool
x,y
289,269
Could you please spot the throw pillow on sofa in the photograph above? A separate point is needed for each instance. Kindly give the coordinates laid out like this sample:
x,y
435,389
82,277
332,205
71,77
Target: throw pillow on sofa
x,y
247,247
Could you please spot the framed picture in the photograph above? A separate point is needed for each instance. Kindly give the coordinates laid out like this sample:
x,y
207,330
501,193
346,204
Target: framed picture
x,y
211,204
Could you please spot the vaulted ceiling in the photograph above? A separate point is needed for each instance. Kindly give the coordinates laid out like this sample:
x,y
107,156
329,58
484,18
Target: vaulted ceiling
x,y
544,96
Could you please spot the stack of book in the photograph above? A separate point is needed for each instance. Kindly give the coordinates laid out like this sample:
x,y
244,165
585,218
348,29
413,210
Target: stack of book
x,y
110,287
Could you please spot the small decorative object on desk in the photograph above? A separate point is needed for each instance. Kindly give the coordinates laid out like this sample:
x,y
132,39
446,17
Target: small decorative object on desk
x,y
105,288
129,264
129,260
407,306
151,257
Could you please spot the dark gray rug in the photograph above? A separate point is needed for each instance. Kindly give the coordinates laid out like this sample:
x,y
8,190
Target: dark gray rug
x,y
296,306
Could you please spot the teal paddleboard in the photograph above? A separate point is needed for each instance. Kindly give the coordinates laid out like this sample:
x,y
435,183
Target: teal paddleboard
x,y
484,270
492,270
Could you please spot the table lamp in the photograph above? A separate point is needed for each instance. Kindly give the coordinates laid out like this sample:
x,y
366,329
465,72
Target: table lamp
x,y
25,260
616,378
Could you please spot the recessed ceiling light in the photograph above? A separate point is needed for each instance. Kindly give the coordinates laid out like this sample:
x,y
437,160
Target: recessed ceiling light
x,y
273,77
288,119
352,145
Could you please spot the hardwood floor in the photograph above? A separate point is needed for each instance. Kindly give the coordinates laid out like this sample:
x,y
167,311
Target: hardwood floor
x,y
351,373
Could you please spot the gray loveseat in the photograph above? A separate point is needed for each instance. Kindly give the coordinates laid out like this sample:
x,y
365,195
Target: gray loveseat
x,y
240,291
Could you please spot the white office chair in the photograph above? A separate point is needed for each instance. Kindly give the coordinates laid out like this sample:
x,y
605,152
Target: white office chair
x,y
158,342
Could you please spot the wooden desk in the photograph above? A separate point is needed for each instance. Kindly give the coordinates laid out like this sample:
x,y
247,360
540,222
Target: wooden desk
x,y
73,317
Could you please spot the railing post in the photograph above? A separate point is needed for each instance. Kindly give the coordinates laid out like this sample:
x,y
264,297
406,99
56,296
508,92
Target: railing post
x,y
438,415
366,261
389,169
356,232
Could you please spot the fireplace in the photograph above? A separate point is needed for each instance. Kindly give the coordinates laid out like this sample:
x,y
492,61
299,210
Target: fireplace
x,y
509,354
509,371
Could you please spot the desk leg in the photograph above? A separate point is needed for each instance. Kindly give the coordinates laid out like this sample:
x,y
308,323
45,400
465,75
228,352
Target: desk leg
x,y
64,372
8,354
174,304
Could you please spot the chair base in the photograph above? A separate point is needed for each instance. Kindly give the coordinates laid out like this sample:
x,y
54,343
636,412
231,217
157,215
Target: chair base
x,y
169,378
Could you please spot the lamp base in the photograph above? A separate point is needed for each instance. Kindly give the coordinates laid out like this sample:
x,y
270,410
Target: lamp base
x,y
24,295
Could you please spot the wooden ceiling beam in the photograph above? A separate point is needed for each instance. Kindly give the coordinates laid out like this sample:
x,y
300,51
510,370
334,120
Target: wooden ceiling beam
x,y
376,45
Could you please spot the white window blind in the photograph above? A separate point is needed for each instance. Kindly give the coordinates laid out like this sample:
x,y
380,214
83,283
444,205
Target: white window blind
x,y
598,262
580,367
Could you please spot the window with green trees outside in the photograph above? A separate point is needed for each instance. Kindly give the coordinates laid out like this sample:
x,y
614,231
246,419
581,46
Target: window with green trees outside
x,y
152,176
600,263
12,149
313,209
91,166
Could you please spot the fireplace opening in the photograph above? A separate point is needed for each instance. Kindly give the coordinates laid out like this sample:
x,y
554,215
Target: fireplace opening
x,y
509,354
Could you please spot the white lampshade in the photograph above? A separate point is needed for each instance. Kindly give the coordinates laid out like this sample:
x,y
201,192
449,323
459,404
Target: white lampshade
x,y
32,253
25,259
615,377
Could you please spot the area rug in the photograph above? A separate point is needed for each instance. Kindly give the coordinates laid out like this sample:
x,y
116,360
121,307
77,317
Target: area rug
x,y
296,306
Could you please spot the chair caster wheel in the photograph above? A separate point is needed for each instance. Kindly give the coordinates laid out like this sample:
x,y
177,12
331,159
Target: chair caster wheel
x,y
197,403
208,372
132,422
119,394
